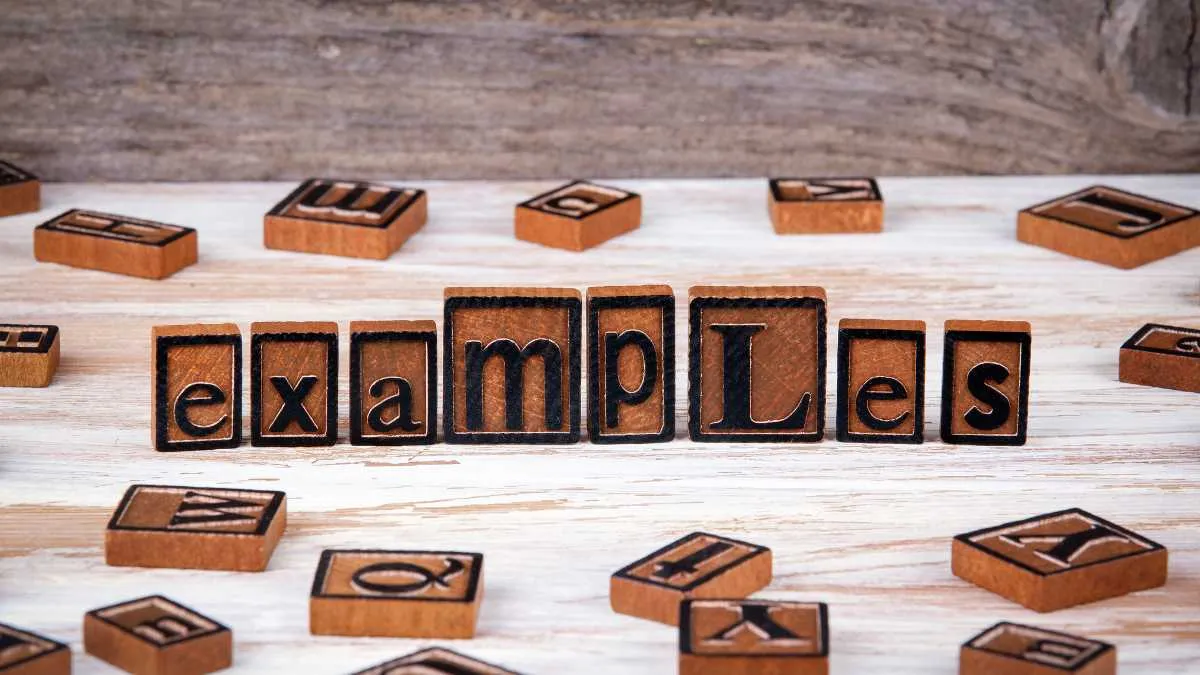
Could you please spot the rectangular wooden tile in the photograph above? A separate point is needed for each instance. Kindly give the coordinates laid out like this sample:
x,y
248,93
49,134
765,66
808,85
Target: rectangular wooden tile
x,y
881,381
25,653
825,205
393,382
1162,356
20,191
346,218
578,216
1014,649
436,661
28,355
117,244
157,636
985,382
196,382
753,637
293,383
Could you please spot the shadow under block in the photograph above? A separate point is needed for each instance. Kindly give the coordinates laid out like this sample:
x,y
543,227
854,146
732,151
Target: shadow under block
x,y
881,381
1162,356
1059,560
1014,649
20,191
346,218
578,216
157,636
26,653
776,396
436,661
631,364
699,565
196,382
511,365
985,382
415,594
1110,226
753,637
293,383
109,243
825,205
393,382
28,355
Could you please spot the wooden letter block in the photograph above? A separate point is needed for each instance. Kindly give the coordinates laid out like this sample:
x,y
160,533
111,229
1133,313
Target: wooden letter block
x,y
631,364
195,528
512,362
776,396
881,381
753,637
417,594
578,216
393,382
100,241
293,383
20,192
25,653
985,382
436,661
1059,560
28,355
825,205
1161,356
1110,226
157,636
346,218
196,377
699,565
1013,649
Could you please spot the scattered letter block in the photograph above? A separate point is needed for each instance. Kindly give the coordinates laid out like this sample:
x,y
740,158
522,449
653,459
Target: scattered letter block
x,y
512,362
20,192
699,565
1161,356
1013,649
393,382
99,241
753,637
346,218
25,653
776,396
1110,226
881,381
157,636
293,383
631,364
985,382
825,205
578,216
436,661
417,594
1059,560
197,387
28,355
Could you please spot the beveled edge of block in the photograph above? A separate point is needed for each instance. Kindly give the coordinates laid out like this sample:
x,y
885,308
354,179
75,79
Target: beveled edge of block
x,y
628,196
644,290
1031,211
396,326
913,325
756,292
54,649
283,327
510,292
986,326
189,329
182,231
1132,343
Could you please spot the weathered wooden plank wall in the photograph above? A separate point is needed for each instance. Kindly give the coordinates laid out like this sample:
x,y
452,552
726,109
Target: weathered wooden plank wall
x,y
221,89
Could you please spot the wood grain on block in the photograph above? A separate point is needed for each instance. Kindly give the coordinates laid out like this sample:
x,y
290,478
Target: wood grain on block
x,y
20,191
1162,356
393,382
26,653
157,636
881,381
631,364
293,383
1110,226
700,565
1015,649
416,594
778,395
1059,560
28,355
753,637
435,661
117,244
196,384
578,216
825,205
985,382
346,218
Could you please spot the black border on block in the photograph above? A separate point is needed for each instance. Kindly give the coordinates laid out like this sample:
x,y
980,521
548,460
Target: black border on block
x,y
257,439
357,340
162,347
1132,342
685,628
952,338
845,336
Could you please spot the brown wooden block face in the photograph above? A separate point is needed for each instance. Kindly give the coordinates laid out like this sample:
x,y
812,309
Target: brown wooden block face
x,y
436,661
700,565
157,636
346,218
1013,649
881,381
20,191
28,355
753,637
1059,560
1162,356
293,383
426,594
578,216
195,528
109,243
393,382
631,364
825,205
25,653
776,396
985,382
1110,226
511,371
196,377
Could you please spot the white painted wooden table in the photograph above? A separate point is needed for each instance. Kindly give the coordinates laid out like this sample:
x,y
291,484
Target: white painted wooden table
x,y
865,528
